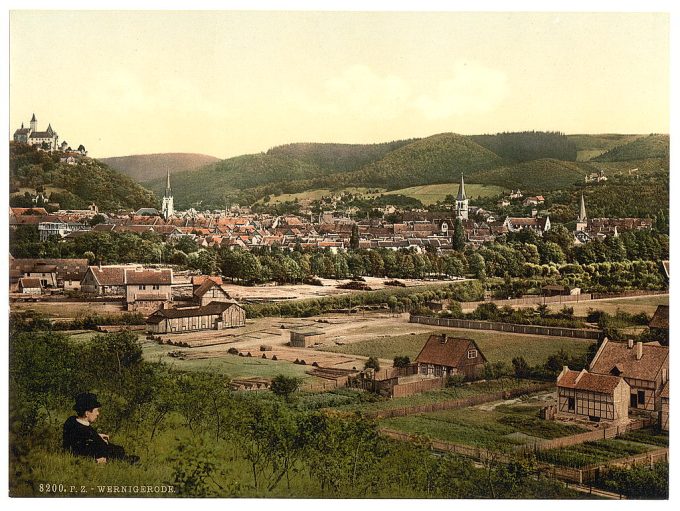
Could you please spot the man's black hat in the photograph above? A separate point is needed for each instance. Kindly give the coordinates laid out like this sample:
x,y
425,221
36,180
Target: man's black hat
x,y
86,401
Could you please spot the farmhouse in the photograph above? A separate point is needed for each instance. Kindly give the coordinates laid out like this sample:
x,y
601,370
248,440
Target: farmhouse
x,y
597,397
643,366
30,286
214,316
141,287
448,356
52,273
665,399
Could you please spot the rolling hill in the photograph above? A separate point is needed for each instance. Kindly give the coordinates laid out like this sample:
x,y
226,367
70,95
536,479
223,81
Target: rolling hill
x,y
651,146
592,146
146,167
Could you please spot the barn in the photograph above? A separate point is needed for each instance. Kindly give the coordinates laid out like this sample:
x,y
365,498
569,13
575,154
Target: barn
x,y
595,397
214,316
30,286
447,356
305,339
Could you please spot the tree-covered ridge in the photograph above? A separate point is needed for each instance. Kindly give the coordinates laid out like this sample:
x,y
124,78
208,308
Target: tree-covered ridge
x,y
145,167
529,145
539,175
651,146
338,157
87,182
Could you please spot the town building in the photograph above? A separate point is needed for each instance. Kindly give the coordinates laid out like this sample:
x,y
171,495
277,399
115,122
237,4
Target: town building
x,y
537,224
595,397
448,356
658,325
141,288
665,402
643,366
214,316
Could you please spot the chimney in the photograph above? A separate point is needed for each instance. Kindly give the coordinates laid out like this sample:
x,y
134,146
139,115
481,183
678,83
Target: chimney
x,y
638,350
630,344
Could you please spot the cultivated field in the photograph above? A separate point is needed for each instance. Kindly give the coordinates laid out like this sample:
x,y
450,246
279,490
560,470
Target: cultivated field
x,y
429,194
501,426
591,453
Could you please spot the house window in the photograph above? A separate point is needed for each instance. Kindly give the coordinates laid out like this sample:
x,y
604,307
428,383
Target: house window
x,y
472,353
142,287
641,397
156,287
571,404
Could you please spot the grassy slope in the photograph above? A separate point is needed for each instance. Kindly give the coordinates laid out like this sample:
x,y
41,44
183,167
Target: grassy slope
x,y
496,346
145,167
429,194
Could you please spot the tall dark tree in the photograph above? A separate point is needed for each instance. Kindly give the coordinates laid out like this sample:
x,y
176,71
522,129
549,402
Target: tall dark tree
x,y
458,240
354,238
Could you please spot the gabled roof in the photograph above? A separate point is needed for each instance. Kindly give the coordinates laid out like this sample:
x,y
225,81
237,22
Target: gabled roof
x,y
108,275
618,355
583,380
447,351
660,319
190,312
29,282
206,286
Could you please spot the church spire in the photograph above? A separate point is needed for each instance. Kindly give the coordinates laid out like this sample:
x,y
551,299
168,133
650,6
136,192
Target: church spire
x,y
582,217
168,190
461,189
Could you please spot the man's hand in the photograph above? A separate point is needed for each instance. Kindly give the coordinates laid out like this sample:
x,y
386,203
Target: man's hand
x,y
104,437
101,460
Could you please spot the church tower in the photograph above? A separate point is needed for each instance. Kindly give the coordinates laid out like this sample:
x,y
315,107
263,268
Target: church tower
x,y
168,208
461,201
34,124
582,220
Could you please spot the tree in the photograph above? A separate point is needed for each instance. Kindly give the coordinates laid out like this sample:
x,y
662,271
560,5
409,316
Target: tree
x,y
458,240
401,361
521,367
372,363
354,238
285,386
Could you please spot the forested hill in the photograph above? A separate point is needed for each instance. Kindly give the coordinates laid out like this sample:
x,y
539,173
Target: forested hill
x,y
145,167
73,186
338,157
529,145
651,146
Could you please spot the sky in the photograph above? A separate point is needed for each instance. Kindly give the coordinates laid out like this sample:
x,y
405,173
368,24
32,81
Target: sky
x,y
227,83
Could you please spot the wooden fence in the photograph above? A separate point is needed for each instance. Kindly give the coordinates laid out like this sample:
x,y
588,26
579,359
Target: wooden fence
x,y
460,403
589,436
583,297
576,333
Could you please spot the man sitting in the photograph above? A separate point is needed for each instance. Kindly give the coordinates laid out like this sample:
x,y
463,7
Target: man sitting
x,y
81,439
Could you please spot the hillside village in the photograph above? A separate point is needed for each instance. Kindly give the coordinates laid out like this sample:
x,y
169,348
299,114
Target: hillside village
x,y
397,305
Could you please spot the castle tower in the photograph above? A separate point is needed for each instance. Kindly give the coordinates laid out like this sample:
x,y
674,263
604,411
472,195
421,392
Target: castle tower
x,y
582,220
168,208
34,123
461,201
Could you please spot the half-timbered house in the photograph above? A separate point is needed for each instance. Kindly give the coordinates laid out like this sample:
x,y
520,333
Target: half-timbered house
x,y
595,397
447,356
214,316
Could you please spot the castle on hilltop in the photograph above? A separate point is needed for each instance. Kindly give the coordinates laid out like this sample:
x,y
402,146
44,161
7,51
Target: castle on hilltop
x,y
47,140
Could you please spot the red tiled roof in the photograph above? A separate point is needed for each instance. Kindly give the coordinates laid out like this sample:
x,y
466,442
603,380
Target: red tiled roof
x,y
447,351
109,275
616,354
162,277
206,286
584,380
29,282
197,280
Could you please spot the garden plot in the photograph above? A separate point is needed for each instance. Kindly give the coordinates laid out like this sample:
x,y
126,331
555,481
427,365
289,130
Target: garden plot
x,y
502,427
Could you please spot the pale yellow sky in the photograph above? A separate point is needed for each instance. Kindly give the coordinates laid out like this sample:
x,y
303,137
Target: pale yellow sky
x,y
229,83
